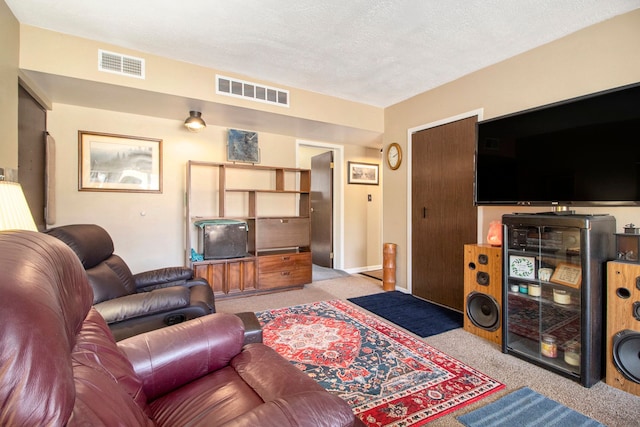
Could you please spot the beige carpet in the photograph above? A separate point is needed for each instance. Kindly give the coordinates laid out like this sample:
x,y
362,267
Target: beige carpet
x,y
606,404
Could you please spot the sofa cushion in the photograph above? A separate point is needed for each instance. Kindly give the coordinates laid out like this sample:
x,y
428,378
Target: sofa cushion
x,y
259,388
168,358
144,304
265,369
107,390
45,298
105,283
91,243
210,400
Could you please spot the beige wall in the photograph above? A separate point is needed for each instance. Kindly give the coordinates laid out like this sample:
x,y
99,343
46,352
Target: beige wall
x,y
149,229
9,46
363,219
41,51
600,57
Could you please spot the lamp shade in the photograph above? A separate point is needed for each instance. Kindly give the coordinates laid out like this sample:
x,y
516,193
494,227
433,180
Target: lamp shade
x,y
194,122
14,211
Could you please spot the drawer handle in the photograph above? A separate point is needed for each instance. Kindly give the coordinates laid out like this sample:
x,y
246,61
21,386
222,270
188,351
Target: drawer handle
x,y
284,221
285,273
286,258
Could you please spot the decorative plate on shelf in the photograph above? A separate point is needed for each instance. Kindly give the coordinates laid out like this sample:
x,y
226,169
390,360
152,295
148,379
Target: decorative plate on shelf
x,y
523,267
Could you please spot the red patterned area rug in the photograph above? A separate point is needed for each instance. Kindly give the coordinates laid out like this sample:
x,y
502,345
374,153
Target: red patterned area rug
x,y
388,377
525,314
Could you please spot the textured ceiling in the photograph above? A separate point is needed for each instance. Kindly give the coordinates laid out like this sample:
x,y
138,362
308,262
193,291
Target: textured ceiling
x,y
376,52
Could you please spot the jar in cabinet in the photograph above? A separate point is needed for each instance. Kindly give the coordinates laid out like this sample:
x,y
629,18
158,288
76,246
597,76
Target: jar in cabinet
x,y
534,290
548,346
572,353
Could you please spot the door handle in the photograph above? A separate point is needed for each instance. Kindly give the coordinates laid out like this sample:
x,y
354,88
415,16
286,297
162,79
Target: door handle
x,y
424,212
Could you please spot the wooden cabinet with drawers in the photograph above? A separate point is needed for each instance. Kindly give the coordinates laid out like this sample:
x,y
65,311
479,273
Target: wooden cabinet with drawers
x,y
284,270
275,203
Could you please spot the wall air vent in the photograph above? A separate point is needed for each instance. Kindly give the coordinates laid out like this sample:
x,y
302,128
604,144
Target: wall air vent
x,y
253,91
117,63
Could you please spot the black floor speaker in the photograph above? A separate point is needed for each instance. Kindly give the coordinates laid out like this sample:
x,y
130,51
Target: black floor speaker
x,y
483,291
623,326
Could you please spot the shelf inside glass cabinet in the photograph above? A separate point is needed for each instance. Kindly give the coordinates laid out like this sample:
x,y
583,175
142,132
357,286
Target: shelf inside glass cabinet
x,y
532,318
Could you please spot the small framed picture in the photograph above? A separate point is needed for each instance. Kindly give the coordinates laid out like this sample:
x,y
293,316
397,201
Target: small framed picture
x,y
567,274
242,146
363,173
522,267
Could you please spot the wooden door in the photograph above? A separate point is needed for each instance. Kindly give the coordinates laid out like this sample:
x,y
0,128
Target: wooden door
x,y
443,217
322,209
32,128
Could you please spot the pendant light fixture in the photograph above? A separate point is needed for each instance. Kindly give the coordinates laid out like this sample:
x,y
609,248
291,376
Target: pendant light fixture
x,y
194,122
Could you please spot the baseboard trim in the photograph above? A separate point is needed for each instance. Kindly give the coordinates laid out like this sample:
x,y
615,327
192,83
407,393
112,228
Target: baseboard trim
x,y
357,270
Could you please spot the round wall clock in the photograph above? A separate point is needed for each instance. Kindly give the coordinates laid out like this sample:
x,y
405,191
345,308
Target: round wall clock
x,y
394,156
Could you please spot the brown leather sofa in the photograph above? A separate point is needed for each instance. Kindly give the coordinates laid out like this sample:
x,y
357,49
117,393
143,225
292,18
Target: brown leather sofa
x,y
60,364
134,303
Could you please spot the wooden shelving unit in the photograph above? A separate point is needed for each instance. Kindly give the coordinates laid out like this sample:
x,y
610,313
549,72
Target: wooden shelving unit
x,y
276,204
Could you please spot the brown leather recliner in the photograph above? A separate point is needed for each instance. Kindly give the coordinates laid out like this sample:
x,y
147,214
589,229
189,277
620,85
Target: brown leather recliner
x,y
134,303
61,366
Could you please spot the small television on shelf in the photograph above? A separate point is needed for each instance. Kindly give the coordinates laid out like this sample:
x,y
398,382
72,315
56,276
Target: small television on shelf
x,y
222,238
580,152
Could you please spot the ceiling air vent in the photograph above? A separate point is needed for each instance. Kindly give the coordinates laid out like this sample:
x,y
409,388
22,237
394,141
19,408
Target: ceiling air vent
x,y
117,63
253,91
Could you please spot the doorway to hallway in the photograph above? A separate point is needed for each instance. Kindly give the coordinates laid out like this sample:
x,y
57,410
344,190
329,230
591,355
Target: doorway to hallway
x,y
334,250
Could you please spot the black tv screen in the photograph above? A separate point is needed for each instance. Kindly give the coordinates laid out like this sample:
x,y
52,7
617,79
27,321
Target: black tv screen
x,y
581,152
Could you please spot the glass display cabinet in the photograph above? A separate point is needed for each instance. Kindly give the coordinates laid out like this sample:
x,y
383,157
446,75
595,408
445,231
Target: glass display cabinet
x,y
553,303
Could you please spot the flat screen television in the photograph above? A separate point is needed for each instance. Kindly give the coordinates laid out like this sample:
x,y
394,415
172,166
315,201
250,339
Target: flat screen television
x,y
580,152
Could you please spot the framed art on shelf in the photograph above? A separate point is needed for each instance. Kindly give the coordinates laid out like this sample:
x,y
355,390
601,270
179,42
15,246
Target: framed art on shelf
x,y
242,146
523,267
363,173
567,274
109,162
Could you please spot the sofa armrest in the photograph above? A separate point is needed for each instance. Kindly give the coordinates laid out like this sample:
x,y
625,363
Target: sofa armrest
x,y
168,358
309,409
278,382
144,304
162,277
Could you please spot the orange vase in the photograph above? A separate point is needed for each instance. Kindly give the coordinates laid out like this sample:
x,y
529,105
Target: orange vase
x,y
389,266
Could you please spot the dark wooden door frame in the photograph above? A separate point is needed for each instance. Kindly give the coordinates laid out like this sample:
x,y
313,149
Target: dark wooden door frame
x,y
32,132
480,114
322,209
338,196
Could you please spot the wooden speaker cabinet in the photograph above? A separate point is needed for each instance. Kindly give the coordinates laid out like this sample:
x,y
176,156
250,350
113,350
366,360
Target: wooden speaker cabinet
x,y
623,326
483,291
